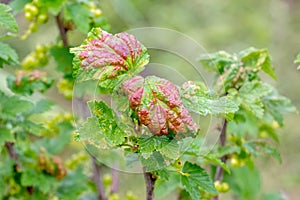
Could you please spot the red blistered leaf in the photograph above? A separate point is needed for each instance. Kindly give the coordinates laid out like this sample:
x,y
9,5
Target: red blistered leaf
x,y
158,105
105,57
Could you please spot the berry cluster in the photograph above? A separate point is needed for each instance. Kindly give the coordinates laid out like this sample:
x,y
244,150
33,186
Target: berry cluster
x,y
65,87
36,14
37,58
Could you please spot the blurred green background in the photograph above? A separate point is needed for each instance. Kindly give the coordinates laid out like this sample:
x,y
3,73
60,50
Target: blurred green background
x,y
219,25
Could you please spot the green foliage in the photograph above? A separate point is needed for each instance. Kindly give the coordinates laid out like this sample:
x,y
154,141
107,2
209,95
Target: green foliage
x,y
7,55
197,98
7,20
194,177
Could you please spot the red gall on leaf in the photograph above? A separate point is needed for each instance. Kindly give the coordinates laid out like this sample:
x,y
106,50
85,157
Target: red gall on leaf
x,y
158,105
104,56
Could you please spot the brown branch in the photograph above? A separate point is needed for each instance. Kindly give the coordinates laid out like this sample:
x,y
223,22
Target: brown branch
x,y
13,154
150,179
62,30
220,171
115,179
96,176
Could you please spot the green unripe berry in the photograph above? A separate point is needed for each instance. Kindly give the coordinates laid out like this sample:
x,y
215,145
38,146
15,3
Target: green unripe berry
x,y
33,27
130,196
235,162
97,12
33,10
28,16
225,187
107,180
42,18
114,197
218,185
27,7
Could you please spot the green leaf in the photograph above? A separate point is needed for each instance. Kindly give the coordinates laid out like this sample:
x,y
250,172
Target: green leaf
x,y
273,196
73,184
56,144
277,105
80,15
197,98
250,95
256,147
41,106
63,59
163,187
89,132
54,6
245,182
18,5
108,58
211,158
258,59
5,136
8,108
38,179
108,123
194,177
149,144
8,55
154,162
217,61
6,19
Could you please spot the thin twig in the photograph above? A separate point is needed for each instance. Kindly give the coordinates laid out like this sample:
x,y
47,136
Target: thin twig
x,y
220,171
13,154
150,179
98,179
115,179
62,30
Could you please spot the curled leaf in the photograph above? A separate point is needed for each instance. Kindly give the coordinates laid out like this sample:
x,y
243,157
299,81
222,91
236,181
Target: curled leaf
x,y
158,105
108,58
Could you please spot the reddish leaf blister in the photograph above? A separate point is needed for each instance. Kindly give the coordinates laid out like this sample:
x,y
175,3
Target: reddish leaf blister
x,y
158,105
113,54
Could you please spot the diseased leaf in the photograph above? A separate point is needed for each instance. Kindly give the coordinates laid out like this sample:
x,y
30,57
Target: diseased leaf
x,y
158,105
217,61
8,55
108,124
250,95
258,59
195,177
27,82
6,19
197,98
108,58
89,132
